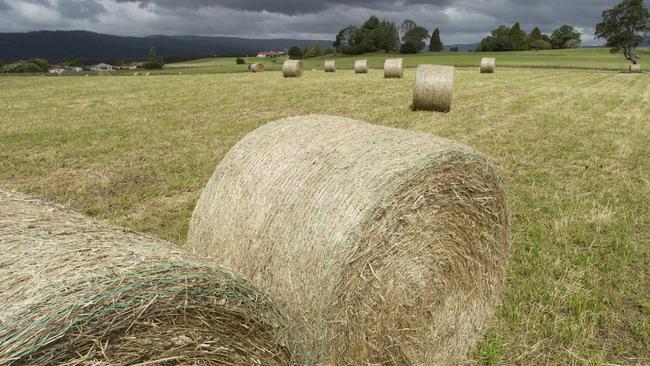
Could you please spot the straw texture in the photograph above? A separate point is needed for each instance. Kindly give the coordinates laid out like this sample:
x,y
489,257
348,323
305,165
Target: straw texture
x,y
330,65
257,67
488,65
394,68
433,88
292,68
388,246
77,292
361,66
635,68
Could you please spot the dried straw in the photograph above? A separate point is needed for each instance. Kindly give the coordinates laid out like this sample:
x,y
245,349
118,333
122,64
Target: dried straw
x,y
257,67
394,68
330,65
635,68
292,68
361,66
77,292
488,65
433,88
389,246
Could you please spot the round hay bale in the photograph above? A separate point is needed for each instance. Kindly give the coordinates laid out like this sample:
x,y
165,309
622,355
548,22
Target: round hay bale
x,y
488,65
388,246
103,73
635,68
78,292
330,65
361,66
136,74
433,88
292,68
257,67
147,74
394,68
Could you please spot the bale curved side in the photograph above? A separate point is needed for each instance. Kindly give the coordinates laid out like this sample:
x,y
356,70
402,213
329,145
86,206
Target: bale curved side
x,y
361,66
635,68
433,88
257,67
388,246
394,68
292,68
330,66
77,292
488,65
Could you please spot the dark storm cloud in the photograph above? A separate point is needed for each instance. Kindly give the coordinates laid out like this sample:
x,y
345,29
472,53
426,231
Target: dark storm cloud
x,y
460,21
289,7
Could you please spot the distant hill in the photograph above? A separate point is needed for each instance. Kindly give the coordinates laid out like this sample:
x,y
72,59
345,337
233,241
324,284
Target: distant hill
x,y
60,45
462,47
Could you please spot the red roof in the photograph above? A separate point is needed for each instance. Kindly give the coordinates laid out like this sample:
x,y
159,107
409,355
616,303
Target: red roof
x,y
269,53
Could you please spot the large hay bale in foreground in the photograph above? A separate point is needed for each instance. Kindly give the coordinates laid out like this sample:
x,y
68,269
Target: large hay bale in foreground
x,y
394,68
433,88
292,68
635,68
488,65
330,65
361,66
77,292
389,246
256,67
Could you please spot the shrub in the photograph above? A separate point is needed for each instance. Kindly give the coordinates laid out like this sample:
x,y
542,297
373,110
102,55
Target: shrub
x,y
21,67
329,51
240,61
42,64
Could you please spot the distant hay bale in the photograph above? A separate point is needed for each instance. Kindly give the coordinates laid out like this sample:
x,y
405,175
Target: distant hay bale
x,y
136,74
361,66
635,68
103,73
394,68
330,65
388,246
77,292
257,67
292,68
488,65
433,88
147,74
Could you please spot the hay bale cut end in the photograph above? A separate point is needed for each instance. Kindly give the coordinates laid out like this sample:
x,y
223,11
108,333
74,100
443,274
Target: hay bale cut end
x,y
292,68
257,67
361,66
394,68
128,298
388,246
488,65
330,66
635,68
433,88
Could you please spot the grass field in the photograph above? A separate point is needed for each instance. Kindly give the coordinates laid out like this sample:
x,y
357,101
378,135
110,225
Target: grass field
x,y
585,58
571,145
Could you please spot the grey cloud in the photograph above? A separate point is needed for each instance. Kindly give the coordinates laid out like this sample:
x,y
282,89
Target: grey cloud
x,y
80,9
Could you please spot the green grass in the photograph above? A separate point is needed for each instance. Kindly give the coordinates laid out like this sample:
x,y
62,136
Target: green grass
x,y
586,58
572,147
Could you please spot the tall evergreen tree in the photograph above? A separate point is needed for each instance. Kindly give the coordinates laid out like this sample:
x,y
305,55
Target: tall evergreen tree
x,y
518,38
315,51
436,44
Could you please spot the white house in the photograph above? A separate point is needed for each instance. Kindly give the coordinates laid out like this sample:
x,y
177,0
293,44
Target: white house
x,y
102,67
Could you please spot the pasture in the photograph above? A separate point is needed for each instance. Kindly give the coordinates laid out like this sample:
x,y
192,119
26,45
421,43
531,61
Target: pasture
x,y
571,145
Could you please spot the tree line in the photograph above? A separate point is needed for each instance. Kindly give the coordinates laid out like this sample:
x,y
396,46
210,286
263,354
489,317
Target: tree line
x,y
514,38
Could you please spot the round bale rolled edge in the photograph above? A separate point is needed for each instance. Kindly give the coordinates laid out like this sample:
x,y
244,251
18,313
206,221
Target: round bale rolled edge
x,y
361,66
388,246
488,65
394,68
433,88
257,67
635,68
74,291
292,68
330,65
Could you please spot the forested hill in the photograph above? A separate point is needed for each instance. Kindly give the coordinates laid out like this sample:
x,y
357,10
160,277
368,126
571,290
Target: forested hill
x,y
60,45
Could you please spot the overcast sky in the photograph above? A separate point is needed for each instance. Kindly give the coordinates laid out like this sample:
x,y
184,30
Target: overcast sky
x,y
460,21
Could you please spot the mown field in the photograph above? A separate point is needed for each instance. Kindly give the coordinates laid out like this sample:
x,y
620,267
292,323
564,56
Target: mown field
x,y
571,145
584,58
